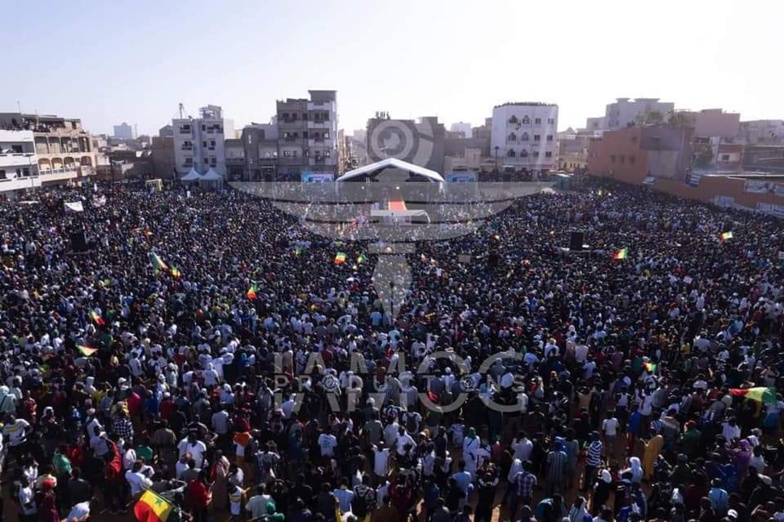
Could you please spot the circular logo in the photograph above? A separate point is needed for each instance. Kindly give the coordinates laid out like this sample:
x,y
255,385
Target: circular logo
x,y
392,139
330,383
467,384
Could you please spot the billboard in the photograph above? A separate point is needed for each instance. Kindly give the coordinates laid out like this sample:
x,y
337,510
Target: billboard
x,y
462,177
312,177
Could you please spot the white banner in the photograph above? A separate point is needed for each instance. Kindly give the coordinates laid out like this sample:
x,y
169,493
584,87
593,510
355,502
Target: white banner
x,y
76,206
771,209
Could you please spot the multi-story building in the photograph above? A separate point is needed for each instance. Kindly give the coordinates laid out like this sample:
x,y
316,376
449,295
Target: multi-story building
x,y
625,111
420,142
461,127
524,136
260,151
307,135
573,149
596,124
199,142
123,131
235,158
63,148
633,153
762,132
18,162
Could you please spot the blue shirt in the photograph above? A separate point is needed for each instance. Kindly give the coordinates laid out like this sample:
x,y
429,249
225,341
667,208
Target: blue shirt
x,y
463,479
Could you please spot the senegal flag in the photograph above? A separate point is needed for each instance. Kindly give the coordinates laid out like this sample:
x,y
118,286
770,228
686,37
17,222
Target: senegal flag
x,y
621,254
361,259
86,350
651,367
97,319
252,291
340,258
175,272
158,263
726,235
759,394
152,508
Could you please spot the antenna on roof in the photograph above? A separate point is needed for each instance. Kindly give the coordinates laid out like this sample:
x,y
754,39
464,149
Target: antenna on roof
x,y
181,112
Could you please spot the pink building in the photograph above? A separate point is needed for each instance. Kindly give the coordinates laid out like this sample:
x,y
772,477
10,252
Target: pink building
x,y
715,123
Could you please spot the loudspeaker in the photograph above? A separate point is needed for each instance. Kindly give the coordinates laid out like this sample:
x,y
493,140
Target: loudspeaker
x,y
576,240
78,241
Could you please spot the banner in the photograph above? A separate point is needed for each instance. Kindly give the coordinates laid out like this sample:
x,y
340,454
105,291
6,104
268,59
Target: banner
x,y
308,177
724,201
76,206
462,177
771,209
764,187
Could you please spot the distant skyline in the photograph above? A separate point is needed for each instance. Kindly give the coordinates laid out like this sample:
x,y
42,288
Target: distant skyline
x,y
109,62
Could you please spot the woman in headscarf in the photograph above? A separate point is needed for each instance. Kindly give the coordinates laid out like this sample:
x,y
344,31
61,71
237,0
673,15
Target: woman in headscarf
x,y
579,511
602,492
635,470
220,485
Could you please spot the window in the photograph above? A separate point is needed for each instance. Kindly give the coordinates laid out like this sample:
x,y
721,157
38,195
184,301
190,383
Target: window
x,y
203,143
725,157
548,154
524,137
524,154
538,121
206,161
536,154
549,137
294,153
305,134
204,127
513,119
327,153
537,137
511,153
212,143
25,172
285,135
326,135
285,115
287,153
511,137
551,121
526,120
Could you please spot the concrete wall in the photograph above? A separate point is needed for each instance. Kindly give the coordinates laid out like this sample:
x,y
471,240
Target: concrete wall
x,y
716,123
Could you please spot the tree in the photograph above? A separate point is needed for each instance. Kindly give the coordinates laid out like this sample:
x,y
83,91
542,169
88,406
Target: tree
x,y
650,118
679,120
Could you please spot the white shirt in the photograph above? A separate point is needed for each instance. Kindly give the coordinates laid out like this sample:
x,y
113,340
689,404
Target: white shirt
x,y
16,432
197,450
137,482
610,426
381,462
327,443
402,441
522,449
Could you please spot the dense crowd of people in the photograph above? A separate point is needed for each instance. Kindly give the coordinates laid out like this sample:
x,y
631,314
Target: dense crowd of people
x,y
249,376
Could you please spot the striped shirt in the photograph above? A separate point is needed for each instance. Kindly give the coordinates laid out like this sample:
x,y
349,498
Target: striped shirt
x,y
526,482
594,454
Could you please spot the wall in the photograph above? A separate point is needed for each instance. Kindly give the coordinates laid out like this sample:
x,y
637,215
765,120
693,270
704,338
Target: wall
x,y
711,187
716,123
604,156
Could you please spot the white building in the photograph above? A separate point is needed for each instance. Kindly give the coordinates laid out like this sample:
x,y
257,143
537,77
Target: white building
x,y
18,161
123,131
624,111
463,127
524,135
199,142
762,132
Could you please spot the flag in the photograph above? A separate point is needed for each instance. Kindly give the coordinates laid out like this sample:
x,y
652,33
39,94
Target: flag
x,y
361,259
433,396
726,235
651,367
97,318
151,507
158,263
297,250
86,350
340,258
759,394
175,272
252,291
621,254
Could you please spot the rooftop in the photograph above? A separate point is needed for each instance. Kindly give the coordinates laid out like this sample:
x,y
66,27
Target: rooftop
x,y
526,104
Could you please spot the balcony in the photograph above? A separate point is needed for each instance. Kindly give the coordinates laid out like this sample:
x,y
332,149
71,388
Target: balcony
x,y
17,159
319,124
185,131
186,147
20,183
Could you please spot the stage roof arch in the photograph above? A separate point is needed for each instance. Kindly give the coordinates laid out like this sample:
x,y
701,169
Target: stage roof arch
x,y
370,172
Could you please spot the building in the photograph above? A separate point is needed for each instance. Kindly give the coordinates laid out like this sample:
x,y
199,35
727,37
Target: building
x,y
573,149
420,142
596,125
483,131
307,135
235,158
463,128
762,132
524,136
199,142
123,131
260,153
715,123
764,158
18,162
63,148
164,161
635,153
625,111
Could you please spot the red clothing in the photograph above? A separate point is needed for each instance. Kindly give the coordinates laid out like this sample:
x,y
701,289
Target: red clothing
x,y
199,494
134,404
48,509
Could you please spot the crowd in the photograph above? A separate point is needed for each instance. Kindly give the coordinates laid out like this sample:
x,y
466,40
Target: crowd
x,y
528,384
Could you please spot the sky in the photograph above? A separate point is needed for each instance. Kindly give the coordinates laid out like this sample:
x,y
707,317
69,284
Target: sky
x,y
108,62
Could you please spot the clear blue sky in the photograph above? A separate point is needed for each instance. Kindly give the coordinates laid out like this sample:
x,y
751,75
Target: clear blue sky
x,y
110,61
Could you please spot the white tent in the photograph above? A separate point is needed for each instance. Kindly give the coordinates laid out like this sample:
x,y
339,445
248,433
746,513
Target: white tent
x,y
191,176
211,175
391,163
